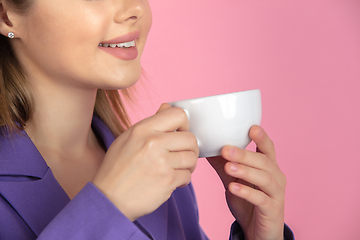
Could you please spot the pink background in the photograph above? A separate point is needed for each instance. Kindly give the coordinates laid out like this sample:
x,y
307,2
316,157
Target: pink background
x,y
305,58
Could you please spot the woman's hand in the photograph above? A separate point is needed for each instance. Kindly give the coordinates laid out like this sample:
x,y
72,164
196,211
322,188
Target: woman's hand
x,y
146,163
255,187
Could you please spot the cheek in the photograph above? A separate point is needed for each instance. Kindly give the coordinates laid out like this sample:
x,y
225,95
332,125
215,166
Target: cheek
x,y
65,40
63,43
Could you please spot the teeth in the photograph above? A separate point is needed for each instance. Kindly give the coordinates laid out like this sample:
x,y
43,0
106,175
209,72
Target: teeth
x,y
120,45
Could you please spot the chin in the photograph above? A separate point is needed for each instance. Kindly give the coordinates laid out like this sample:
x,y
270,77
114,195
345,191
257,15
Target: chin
x,y
119,77
121,82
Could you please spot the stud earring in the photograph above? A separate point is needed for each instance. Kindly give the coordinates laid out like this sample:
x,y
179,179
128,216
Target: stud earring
x,y
11,35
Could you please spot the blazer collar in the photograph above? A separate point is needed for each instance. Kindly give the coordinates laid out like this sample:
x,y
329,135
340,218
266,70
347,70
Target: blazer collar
x,y
102,131
37,199
20,157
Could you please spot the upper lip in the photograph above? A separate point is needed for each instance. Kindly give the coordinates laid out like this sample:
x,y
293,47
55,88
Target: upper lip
x,y
124,38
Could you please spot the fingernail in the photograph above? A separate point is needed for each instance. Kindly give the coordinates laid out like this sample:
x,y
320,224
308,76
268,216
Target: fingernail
x,y
236,187
234,167
260,132
232,151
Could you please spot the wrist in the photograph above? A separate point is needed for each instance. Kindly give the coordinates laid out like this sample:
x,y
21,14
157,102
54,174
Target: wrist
x,y
120,205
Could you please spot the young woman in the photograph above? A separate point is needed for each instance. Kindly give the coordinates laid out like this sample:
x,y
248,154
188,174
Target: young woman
x,y
71,167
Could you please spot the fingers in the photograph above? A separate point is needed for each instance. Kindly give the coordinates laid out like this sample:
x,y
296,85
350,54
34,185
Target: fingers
x,y
184,160
183,149
263,142
253,196
169,119
182,178
151,159
257,168
248,158
264,146
163,107
263,180
180,141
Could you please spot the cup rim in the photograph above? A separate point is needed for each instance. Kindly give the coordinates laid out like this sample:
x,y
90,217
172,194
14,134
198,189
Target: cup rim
x,y
217,95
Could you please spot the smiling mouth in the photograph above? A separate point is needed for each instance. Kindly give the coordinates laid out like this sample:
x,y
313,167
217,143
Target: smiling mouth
x,y
118,45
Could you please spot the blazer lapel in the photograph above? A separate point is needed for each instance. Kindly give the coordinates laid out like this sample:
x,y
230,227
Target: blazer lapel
x,y
27,183
36,201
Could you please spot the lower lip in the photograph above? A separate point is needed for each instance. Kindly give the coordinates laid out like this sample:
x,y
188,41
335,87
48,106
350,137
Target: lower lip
x,y
122,53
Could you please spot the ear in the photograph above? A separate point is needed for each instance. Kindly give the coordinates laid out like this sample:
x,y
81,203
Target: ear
x,y
7,19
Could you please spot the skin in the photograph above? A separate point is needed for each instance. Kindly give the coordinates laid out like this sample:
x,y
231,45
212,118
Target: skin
x,y
255,186
56,43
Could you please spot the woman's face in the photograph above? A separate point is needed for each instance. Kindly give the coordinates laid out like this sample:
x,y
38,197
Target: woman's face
x,y
69,41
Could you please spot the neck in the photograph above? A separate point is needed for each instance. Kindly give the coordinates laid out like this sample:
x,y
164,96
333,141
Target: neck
x,y
62,118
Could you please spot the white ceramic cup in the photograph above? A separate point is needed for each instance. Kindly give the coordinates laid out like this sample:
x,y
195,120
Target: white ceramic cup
x,y
222,120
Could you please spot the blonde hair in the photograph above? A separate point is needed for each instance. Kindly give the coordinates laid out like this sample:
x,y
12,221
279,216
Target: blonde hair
x,y
16,104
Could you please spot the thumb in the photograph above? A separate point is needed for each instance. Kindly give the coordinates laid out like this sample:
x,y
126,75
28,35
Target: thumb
x,y
163,107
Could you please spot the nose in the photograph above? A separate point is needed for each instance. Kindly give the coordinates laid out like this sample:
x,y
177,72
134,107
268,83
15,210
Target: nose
x,y
129,10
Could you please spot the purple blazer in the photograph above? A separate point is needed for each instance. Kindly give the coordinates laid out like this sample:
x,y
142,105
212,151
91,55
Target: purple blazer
x,y
33,205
